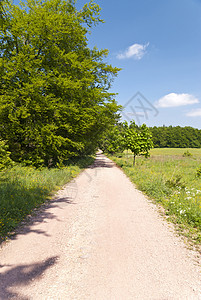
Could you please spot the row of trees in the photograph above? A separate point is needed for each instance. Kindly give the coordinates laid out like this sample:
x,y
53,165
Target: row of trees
x,y
176,137
54,98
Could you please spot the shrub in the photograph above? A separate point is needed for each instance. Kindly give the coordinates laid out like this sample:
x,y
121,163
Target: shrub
x,y
175,182
5,159
187,154
199,172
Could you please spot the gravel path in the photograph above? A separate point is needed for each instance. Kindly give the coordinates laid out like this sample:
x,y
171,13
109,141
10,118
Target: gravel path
x,y
100,238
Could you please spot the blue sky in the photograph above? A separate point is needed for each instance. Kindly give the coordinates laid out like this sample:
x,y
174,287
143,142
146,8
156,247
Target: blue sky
x,y
157,43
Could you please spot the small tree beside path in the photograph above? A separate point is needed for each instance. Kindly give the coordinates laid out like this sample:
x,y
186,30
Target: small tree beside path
x,y
138,139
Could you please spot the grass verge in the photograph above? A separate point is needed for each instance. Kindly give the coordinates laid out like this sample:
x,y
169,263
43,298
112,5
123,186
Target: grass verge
x,y
171,179
22,189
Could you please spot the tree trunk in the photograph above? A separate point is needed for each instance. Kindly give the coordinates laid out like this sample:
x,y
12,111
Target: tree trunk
x,y
134,160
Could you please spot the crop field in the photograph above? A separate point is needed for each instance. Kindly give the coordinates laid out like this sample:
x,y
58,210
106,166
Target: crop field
x,y
171,177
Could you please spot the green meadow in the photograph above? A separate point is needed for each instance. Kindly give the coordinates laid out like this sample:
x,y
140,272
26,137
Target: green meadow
x,y
172,178
22,189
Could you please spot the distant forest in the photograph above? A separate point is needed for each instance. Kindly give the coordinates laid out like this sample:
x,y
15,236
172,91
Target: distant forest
x,y
176,137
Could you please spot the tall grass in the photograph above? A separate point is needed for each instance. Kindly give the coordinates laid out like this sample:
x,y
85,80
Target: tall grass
x,y
24,188
171,178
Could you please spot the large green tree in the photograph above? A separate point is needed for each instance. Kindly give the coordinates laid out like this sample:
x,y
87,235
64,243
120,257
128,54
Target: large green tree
x,y
54,99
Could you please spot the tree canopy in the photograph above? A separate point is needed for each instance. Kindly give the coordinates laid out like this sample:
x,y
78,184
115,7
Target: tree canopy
x,y
176,137
54,93
138,139
124,136
113,141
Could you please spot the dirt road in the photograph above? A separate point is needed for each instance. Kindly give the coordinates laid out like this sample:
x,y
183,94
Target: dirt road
x,y
99,238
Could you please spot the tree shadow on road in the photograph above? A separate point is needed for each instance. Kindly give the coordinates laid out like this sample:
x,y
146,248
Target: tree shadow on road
x,y
22,275
101,162
98,162
40,215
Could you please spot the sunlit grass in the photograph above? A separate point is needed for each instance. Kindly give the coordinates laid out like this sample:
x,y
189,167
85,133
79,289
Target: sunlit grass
x,y
175,151
170,179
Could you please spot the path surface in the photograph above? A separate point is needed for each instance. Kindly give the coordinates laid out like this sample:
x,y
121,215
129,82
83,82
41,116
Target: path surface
x,y
99,238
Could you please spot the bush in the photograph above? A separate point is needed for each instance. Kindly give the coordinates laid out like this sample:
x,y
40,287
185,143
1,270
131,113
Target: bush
x,y
175,182
5,160
199,172
187,154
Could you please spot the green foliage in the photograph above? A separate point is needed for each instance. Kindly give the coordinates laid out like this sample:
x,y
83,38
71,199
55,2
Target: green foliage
x,y
54,99
5,160
175,182
22,189
198,173
176,137
185,205
187,154
138,139
169,180
112,142
122,136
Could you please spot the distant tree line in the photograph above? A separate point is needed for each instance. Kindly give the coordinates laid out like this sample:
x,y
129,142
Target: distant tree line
x,y
140,139
176,137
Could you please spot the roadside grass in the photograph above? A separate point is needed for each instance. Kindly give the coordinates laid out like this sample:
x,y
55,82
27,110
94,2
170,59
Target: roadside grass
x,y
22,189
171,179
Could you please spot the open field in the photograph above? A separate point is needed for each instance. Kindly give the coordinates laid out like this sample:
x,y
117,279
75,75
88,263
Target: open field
x,y
172,179
22,189
176,151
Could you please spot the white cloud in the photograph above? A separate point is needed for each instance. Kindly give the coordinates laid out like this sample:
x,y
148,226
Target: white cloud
x,y
194,113
135,51
174,100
